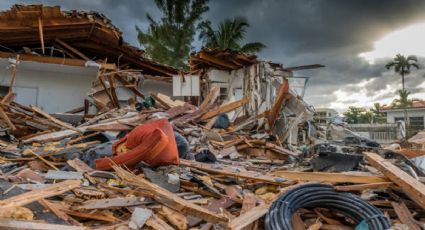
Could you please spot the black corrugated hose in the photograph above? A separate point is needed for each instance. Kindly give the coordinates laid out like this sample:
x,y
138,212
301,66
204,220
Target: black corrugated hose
x,y
314,195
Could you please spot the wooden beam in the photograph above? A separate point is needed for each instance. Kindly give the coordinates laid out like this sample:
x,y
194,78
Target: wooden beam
x,y
224,170
330,177
225,108
72,49
168,198
405,216
412,187
20,224
361,187
45,59
54,120
211,97
249,217
40,31
217,61
273,113
34,195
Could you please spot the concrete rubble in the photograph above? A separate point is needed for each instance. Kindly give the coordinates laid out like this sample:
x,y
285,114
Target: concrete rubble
x,y
240,152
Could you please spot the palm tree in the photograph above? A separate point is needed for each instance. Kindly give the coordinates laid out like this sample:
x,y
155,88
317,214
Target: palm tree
x,y
402,65
403,102
228,35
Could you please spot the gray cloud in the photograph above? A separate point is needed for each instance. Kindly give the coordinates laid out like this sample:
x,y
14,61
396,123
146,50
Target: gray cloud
x,y
296,32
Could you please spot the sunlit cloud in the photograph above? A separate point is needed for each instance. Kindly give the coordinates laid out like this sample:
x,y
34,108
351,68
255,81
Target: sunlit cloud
x,y
407,41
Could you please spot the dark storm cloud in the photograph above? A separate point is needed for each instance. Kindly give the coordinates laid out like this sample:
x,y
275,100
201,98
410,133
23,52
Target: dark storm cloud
x,y
296,32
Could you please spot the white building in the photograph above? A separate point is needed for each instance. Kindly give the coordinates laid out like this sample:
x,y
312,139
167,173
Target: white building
x,y
415,114
324,115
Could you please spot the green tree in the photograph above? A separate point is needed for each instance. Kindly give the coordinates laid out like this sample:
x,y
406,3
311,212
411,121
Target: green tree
x,y
228,35
402,65
356,115
378,115
403,101
169,40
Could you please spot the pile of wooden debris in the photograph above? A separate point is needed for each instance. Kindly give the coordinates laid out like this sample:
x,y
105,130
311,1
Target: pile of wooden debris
x,y
230,178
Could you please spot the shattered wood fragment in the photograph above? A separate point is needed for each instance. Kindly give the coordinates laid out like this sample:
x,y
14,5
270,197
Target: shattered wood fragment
x,y
281,96
361,187
113,203
329,177
249,217
29,197
228,171
225,108
412,187
108,217
169,199
405,216
177,219
54,120
211,97
55,207
19,224
157,223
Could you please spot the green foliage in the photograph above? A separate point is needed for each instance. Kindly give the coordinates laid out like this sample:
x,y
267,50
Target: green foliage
x,y
169,40
356,115
402,65
403,101
228,35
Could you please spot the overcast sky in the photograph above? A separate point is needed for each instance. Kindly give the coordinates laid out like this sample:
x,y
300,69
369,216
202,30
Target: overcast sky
x,y
297,32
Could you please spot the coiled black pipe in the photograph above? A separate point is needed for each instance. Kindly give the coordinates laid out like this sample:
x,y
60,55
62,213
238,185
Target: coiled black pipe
x,y
323,196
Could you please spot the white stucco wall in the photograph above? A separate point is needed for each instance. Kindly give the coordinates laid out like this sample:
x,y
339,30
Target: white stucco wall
x,y
153,86
52,87
391,115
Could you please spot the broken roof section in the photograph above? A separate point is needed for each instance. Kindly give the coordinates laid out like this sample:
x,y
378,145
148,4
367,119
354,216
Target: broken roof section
x,y
220,59
71,38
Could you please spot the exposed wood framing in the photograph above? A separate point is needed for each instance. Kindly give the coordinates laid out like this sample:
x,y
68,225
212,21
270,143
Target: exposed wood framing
x,y
72,49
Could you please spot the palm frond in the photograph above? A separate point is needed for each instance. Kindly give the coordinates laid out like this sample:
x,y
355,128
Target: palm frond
x,y
252,47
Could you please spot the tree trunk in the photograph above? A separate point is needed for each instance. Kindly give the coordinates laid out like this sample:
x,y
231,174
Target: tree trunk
x,y
402,79
406,118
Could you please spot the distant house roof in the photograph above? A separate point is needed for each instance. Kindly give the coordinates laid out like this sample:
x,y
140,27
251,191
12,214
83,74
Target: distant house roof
x,y
75,35
416,104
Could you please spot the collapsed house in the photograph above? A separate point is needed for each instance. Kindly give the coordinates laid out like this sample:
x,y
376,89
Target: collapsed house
x,y
238,151
59,54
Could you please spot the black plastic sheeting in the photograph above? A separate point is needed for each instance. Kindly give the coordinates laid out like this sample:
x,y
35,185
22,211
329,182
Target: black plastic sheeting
x,y
314,195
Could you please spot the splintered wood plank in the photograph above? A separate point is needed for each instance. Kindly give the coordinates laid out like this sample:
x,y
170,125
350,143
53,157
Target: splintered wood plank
x,y
361,187
157,223
330,177
412,187
405,216
168,198
225,108
54,120
249,217
113,203
228,171
40,31
18,224
211,97
4,116
281,97
29,197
